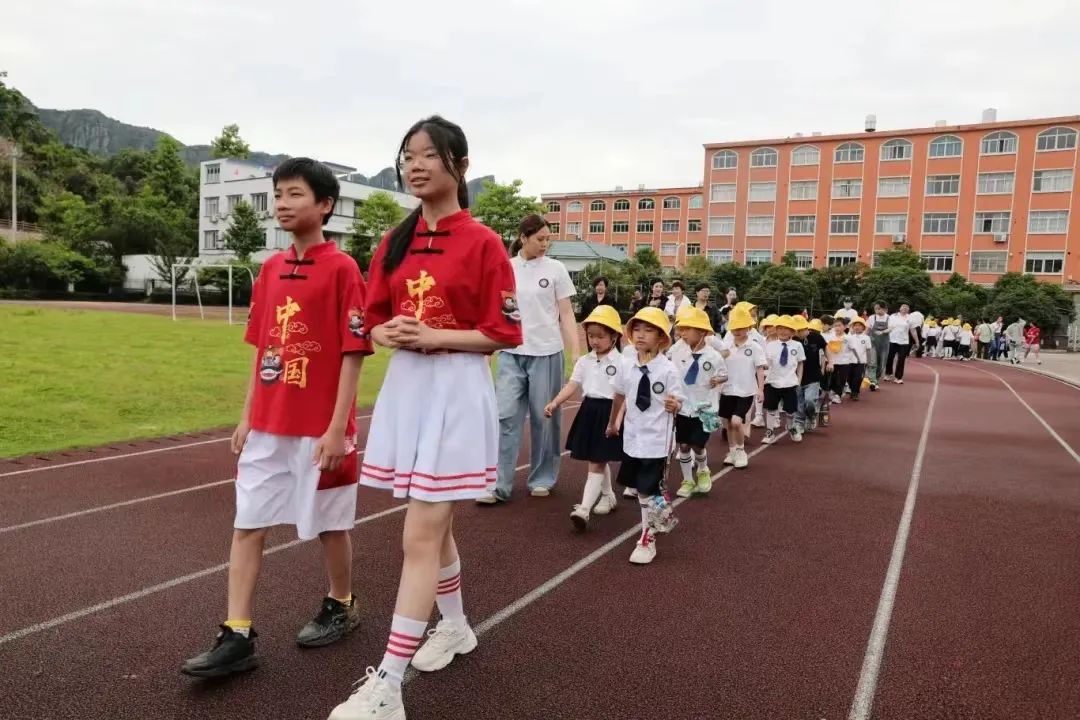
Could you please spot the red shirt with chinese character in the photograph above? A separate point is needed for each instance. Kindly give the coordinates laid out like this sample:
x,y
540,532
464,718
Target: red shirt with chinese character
x,y
305,314
467,284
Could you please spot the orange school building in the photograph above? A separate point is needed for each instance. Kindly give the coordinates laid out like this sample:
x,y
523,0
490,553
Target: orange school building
x,y
978,199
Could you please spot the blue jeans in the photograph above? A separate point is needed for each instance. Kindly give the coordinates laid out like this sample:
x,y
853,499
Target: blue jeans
x,y
808,403
528,382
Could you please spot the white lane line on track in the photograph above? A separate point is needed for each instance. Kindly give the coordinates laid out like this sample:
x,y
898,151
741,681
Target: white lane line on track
x,y
148,498
154,451
863,702
1073,384
154,589
1037,416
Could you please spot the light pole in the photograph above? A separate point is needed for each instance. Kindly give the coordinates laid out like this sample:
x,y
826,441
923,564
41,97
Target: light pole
x,y
14,193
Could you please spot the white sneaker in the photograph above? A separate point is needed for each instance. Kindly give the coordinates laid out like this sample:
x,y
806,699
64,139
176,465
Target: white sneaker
x,y
630,493
899,382
606,504
769,438
644,551
741,459
729,459
758,422
443,643
796,436
835,399
580,517
375,698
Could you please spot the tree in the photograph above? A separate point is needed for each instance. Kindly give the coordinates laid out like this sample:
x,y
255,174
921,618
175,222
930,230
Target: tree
x,y
900,257
171,178
732,275
783,290
956,296
229,144
244,236
893,286
1022,296
42,266
378,213
502,207
647,258
837,282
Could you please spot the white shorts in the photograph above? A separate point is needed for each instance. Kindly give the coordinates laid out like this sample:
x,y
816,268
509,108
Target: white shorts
x,y
277,484
435,428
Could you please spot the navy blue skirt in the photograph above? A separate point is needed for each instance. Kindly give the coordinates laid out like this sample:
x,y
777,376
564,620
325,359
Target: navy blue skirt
x,y
587,439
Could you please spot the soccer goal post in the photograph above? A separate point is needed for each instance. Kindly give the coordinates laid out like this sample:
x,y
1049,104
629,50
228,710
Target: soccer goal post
x,y
193,269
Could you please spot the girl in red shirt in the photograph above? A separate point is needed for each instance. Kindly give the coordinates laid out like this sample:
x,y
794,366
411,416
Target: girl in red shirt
x,y
441,294
1032,338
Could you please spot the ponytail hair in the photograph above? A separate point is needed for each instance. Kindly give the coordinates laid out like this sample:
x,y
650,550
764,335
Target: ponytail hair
x,y
530,225
451,145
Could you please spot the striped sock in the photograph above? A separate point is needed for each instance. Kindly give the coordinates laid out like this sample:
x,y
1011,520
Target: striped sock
x,y
448,594
405,637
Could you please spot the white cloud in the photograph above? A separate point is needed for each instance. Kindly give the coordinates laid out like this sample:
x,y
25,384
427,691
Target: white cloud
x,y
567,95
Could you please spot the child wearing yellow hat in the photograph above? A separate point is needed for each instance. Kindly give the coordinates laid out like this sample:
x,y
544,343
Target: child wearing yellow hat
x,y
809,334
785,358
703,372
963,341
860,345
746,381
931,333
949,337
656,392
588,439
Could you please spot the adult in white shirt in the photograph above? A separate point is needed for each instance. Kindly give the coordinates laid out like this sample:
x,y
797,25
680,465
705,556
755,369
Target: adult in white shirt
x,y
676,301
847,312
530,375
901,335
916,319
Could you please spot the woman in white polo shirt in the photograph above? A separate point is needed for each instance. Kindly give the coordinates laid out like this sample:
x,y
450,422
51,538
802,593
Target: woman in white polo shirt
x,y
900,338
530,375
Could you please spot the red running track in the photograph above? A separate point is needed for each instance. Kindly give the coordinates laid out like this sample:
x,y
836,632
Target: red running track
x,y
760,605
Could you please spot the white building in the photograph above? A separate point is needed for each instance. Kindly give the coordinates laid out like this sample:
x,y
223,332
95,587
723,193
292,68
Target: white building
x,y
225,182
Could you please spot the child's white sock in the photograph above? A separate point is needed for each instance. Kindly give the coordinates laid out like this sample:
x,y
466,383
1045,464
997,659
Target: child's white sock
x,y
448,594
643,502
702,460
607,489
406,635
685,462
593,485
772,419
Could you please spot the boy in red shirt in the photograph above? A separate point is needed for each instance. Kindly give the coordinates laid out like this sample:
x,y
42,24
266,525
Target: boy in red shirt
x,y
297,434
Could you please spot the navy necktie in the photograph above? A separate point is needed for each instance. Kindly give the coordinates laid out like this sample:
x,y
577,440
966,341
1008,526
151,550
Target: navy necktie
x,y
644,394
691,374
783,355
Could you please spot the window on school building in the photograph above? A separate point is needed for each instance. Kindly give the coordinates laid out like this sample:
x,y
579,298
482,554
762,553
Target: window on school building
x,y
759,225
1044,263
646,204
620,226
573,229
672,203
1052,181
938,262
943,185
724,160
669,226
803,190
213,174
596,226
622,205
758,257
894,187
844,225
259,202
998,143
1048,221
721,226
806,155
281,240
696,202
693,249
554,227
992,222
896,150
597,206
801,224
846,188
212,240
838,258
719,256
722,192
1000,183
762,191
849,153
946,146
890,224
693,225
669,248
989,262
804,259
210,206
1059,138
763,157
939,223
574,207
554,207
644,226
232,201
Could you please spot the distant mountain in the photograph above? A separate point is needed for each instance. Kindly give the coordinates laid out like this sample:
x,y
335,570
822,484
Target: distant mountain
x,y
98,133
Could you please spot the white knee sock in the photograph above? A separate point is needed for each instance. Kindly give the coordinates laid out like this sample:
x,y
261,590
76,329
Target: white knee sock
x,y
593,485
685,461
406,635
606,486
772,419
702,460
448,594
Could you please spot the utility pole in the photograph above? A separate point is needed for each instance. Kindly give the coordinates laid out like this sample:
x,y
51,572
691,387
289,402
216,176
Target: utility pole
x,y
14,193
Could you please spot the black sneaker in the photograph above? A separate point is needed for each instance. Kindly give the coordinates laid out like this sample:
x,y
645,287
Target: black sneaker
x,y
873,387
231,653
333,622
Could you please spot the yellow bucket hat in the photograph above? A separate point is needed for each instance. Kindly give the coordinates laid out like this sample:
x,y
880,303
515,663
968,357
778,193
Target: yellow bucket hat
x,y
692,317
817,325
859,320
607,316
655,317
799,322
770,321
786,321
744,306
967,326
739,320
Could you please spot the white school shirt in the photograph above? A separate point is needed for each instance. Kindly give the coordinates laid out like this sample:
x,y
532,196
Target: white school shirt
x,y
710,364
899,329
859,344
966,336
845,356
671,309
949,333
784,376
932,331
916,319
742,364
596,374
848,314
541,283
647,434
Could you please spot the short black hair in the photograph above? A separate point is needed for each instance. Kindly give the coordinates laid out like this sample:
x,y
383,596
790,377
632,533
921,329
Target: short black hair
x,y
703,286
599,279
827,320
317,176
677,284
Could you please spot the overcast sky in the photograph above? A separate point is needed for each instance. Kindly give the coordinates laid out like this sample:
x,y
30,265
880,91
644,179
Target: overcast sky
x,y
564,94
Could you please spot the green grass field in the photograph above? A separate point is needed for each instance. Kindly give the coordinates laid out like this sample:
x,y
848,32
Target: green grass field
x,y
76,378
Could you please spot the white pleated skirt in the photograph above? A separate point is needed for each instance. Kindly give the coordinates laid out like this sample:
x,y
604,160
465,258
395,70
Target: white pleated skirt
x,y
435,428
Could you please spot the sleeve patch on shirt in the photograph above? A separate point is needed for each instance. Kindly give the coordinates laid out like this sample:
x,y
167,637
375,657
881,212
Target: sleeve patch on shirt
x,y
356,323
510,307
